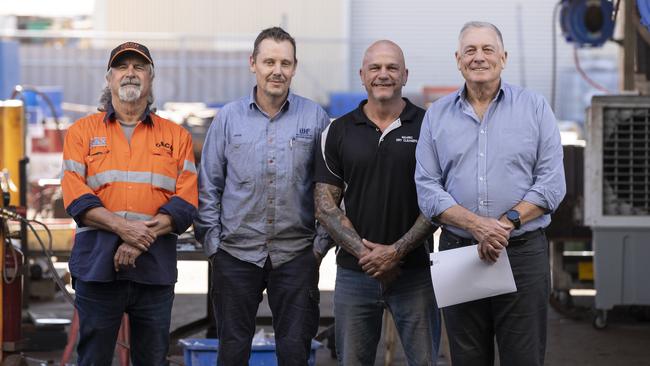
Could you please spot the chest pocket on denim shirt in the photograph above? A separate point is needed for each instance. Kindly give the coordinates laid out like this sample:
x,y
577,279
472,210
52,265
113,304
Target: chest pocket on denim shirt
x,y
301,154
240,155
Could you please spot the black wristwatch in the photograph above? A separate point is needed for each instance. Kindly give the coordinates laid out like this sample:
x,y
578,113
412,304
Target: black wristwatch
x,y
513,216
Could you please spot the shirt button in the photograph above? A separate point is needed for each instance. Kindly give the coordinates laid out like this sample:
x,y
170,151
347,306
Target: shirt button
x,y
271,181
482,131
480,178
270,161
270,221
480,154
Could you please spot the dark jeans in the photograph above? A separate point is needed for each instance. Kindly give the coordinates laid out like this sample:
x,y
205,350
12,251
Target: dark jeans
x,y
101,305
293,295
517,320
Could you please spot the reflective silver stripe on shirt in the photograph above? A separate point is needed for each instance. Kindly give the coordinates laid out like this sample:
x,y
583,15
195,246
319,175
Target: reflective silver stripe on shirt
x,y
133,215
111,176
189,166
74,166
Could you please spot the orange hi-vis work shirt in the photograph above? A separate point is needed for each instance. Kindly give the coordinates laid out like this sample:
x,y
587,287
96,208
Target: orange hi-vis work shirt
x,y
153,174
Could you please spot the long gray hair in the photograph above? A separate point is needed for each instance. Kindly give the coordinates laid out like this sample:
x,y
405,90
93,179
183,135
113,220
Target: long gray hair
x,y
106,97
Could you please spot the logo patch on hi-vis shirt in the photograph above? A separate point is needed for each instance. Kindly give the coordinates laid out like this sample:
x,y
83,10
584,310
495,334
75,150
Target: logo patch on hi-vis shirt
x,y
98,141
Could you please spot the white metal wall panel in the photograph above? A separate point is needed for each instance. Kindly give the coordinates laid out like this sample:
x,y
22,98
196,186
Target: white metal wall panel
x,y
427,31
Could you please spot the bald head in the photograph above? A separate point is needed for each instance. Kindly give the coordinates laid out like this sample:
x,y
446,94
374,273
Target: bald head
x,y
383,72
383,46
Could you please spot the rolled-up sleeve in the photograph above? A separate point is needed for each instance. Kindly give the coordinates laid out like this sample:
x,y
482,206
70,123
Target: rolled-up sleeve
x,y
212,175
429,181
549,185
322,241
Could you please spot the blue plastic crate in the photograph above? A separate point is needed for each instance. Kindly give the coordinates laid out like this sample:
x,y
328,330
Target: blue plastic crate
x,y
203,352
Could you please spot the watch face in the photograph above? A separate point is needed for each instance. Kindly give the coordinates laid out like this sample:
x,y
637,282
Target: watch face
x,y
512,215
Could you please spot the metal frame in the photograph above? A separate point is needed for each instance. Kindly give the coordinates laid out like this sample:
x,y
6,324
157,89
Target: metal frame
x,y
594,214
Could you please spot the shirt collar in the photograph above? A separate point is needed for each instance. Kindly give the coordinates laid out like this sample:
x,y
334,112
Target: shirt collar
x,y
110,114
252,103
408,113
461,94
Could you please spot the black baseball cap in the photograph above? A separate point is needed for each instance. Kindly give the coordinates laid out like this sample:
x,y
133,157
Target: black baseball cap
x,y
129,47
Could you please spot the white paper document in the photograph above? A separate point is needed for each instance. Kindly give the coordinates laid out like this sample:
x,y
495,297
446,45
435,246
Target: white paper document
x,y
459,275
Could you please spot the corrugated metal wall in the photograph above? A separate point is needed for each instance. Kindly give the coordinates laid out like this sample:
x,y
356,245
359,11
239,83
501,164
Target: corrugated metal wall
x,y
427,31
181,75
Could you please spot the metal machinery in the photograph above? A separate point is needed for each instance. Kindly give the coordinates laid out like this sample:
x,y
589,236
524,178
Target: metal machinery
x,y
617,200
617,155
12,175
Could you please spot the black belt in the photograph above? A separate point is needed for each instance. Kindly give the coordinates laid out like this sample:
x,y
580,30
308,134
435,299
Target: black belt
x,y
517,240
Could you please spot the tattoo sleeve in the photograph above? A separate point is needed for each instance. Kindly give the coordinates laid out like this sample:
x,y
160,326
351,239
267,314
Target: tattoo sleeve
x,y
327,199
415,236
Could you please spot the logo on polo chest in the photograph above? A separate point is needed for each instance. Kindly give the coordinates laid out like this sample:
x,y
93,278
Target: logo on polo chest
x,y
407,139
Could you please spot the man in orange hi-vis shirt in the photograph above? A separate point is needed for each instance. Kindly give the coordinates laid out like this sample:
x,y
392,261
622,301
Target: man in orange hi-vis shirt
x,y
130,183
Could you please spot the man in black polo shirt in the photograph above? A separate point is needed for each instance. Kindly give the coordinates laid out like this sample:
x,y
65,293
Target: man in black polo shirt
x,y
368,160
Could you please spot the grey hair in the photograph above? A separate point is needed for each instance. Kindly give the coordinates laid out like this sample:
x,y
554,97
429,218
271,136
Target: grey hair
x,y
106,97
478,24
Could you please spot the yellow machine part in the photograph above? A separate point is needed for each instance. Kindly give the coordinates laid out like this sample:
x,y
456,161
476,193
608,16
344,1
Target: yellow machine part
x,y
12,144
2,266
586,271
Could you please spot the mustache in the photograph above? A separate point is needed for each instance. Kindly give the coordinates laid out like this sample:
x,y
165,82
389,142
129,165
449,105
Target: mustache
x,y
130,80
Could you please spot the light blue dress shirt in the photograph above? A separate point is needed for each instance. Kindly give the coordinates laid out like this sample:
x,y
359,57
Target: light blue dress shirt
x,y
489,166
256,181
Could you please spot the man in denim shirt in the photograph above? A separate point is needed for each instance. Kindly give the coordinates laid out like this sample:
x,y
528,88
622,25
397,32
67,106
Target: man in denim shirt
x,y
256,209
489,168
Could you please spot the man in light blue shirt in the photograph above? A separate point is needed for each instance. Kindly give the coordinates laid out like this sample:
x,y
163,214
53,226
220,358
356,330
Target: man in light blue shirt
x,y
489,169
256,208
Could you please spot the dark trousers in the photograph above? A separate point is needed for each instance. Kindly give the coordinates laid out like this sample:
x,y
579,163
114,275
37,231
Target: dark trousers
x,y
293,296
517,320
101,305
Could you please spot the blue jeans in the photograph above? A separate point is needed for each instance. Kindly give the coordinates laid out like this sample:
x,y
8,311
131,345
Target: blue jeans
x,y
359,303
101,305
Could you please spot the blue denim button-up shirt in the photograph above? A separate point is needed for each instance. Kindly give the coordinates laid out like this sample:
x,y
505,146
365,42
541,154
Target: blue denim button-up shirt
x,y
256,181
489,166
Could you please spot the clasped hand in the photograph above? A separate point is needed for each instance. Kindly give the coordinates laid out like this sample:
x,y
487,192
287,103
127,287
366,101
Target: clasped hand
x,y
492,236
137,237
380,261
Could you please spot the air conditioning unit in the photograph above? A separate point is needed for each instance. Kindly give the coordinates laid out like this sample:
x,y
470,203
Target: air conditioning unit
x,y
617,200
617,162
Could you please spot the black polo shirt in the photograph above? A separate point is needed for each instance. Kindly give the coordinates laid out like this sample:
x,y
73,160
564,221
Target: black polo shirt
x,y
376,172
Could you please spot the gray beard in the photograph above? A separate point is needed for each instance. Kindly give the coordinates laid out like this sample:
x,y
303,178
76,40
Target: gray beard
x,y
129,93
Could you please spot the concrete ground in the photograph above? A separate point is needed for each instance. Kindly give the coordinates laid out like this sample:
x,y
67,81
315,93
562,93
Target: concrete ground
x,y
572,340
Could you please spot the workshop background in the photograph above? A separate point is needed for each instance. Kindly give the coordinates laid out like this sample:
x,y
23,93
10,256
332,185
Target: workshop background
x,y
589,58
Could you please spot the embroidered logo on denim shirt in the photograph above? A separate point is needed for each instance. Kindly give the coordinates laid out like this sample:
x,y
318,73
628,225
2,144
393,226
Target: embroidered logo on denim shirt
x,y
304,133
98,141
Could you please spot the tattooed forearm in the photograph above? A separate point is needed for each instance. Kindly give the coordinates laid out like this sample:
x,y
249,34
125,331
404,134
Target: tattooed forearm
x,y
327,199
415,236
